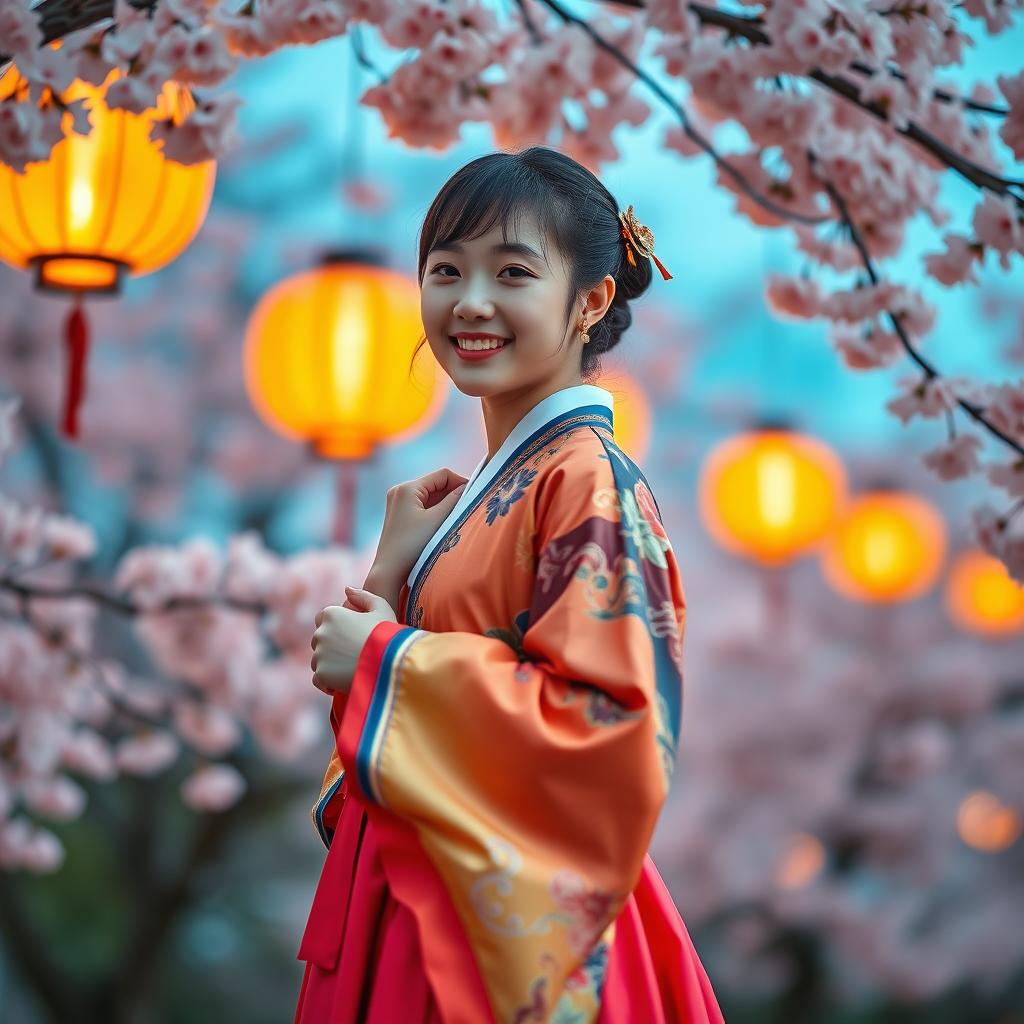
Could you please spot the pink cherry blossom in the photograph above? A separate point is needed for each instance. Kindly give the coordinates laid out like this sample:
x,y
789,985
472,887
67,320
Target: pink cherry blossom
x,y
19,30
147,753
955,459
1004,407
995,13
21,532
926,397
22,135
997,223
1009,476
56,798
250,570
209,729
134,93
957,264
89,754
795,297
213,788
414,24
867,349
673,17
207,133
23,845
1000,539
199,57
1012,129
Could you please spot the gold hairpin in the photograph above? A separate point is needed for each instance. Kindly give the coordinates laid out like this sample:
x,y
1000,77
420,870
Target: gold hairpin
x,y
640,237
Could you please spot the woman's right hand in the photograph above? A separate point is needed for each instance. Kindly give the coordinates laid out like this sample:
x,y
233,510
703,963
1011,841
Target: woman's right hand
x,y
414,511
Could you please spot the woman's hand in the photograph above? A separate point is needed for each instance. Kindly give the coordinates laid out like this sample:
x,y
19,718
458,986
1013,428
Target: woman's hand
x,y
339,637
414,511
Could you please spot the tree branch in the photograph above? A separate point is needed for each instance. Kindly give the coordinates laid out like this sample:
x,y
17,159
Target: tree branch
x,y
974,411
691,133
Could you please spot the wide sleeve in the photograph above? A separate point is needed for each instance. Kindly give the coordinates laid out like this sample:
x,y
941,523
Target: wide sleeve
x,y
533,772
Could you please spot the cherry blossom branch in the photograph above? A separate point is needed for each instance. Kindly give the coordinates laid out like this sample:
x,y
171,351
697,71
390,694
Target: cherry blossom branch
x,y
117,604
940,95
974,411
749,29
691,133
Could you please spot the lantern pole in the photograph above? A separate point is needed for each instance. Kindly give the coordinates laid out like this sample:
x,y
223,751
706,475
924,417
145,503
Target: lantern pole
x,y
343,531
776,603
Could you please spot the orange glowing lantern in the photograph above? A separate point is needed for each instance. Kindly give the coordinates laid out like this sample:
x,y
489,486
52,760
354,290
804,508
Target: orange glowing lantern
x,y
631,414
101,205
888,547
771,494
802,862
327,358
981,596
986,823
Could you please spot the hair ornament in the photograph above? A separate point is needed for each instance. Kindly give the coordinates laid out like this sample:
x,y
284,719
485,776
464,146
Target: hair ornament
x,y
640,237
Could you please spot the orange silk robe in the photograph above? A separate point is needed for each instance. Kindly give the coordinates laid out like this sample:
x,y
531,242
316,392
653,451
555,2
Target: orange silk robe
x,y
513,736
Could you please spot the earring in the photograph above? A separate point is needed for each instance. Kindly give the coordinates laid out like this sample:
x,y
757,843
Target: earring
x,y
583,330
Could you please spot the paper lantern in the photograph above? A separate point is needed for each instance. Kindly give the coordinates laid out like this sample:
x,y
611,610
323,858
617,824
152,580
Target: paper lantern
x,y
771,495
986,823
102,205
982,597
889,546
327,358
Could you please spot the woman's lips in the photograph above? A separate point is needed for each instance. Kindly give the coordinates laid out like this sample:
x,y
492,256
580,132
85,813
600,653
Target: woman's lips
x,y
472,356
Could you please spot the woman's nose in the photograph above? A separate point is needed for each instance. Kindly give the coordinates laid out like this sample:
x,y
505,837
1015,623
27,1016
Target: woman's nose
x,y
474,304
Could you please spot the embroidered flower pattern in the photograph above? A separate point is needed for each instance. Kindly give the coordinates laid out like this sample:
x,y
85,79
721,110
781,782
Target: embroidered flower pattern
x,y
508,493
650,544
586,910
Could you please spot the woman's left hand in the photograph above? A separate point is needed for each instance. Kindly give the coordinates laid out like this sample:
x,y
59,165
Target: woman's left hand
x,y
340,635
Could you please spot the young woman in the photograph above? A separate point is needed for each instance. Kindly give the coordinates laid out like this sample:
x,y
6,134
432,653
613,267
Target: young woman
x,y
507,687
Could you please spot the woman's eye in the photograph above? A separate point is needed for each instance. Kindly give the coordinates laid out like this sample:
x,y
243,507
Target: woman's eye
x,y
525,273
442,266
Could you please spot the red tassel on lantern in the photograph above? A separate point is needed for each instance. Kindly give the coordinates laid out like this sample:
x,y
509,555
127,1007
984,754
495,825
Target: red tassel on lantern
x,y
76,344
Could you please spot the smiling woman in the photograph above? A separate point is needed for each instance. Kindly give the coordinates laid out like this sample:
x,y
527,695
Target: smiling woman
x,y
506,745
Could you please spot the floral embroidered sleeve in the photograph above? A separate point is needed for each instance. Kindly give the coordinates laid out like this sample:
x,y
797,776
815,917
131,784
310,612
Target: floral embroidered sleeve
x,y
531,773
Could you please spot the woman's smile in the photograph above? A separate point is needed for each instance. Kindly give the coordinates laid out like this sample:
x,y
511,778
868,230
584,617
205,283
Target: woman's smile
x,y
474,346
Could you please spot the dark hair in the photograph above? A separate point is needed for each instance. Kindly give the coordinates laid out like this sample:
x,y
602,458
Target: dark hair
x,y
572,207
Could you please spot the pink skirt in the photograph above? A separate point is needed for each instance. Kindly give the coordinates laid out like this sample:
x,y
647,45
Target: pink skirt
x,y
654,974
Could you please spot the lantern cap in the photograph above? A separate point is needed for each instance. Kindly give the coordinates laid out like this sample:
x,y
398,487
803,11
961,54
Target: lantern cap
x,y
353,254
773,421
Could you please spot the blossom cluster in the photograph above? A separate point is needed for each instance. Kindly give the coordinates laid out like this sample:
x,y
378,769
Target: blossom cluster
x,y
227,638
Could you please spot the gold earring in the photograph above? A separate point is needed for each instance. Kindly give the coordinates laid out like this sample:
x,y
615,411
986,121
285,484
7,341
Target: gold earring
x,y
583,330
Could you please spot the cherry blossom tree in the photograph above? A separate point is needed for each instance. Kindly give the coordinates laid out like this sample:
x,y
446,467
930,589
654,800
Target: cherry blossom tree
x,y
849,131
833,779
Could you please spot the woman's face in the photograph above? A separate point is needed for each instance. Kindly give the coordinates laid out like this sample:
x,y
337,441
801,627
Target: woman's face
x,y
485,286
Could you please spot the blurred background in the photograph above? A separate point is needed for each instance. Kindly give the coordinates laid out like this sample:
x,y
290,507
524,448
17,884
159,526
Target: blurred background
x,y
843,834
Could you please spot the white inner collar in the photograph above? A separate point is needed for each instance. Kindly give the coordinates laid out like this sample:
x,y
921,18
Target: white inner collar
x,y
547,409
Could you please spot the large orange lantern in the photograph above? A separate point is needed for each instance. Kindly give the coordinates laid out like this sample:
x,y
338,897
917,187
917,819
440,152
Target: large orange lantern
x,y
101,205
327,356
888,547
632,412
981,596
771,494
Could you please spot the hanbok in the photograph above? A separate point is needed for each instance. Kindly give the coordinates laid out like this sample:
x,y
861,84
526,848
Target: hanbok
x,y
503,755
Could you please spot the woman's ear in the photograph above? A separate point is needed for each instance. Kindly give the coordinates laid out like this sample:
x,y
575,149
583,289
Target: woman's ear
x,y
599,298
